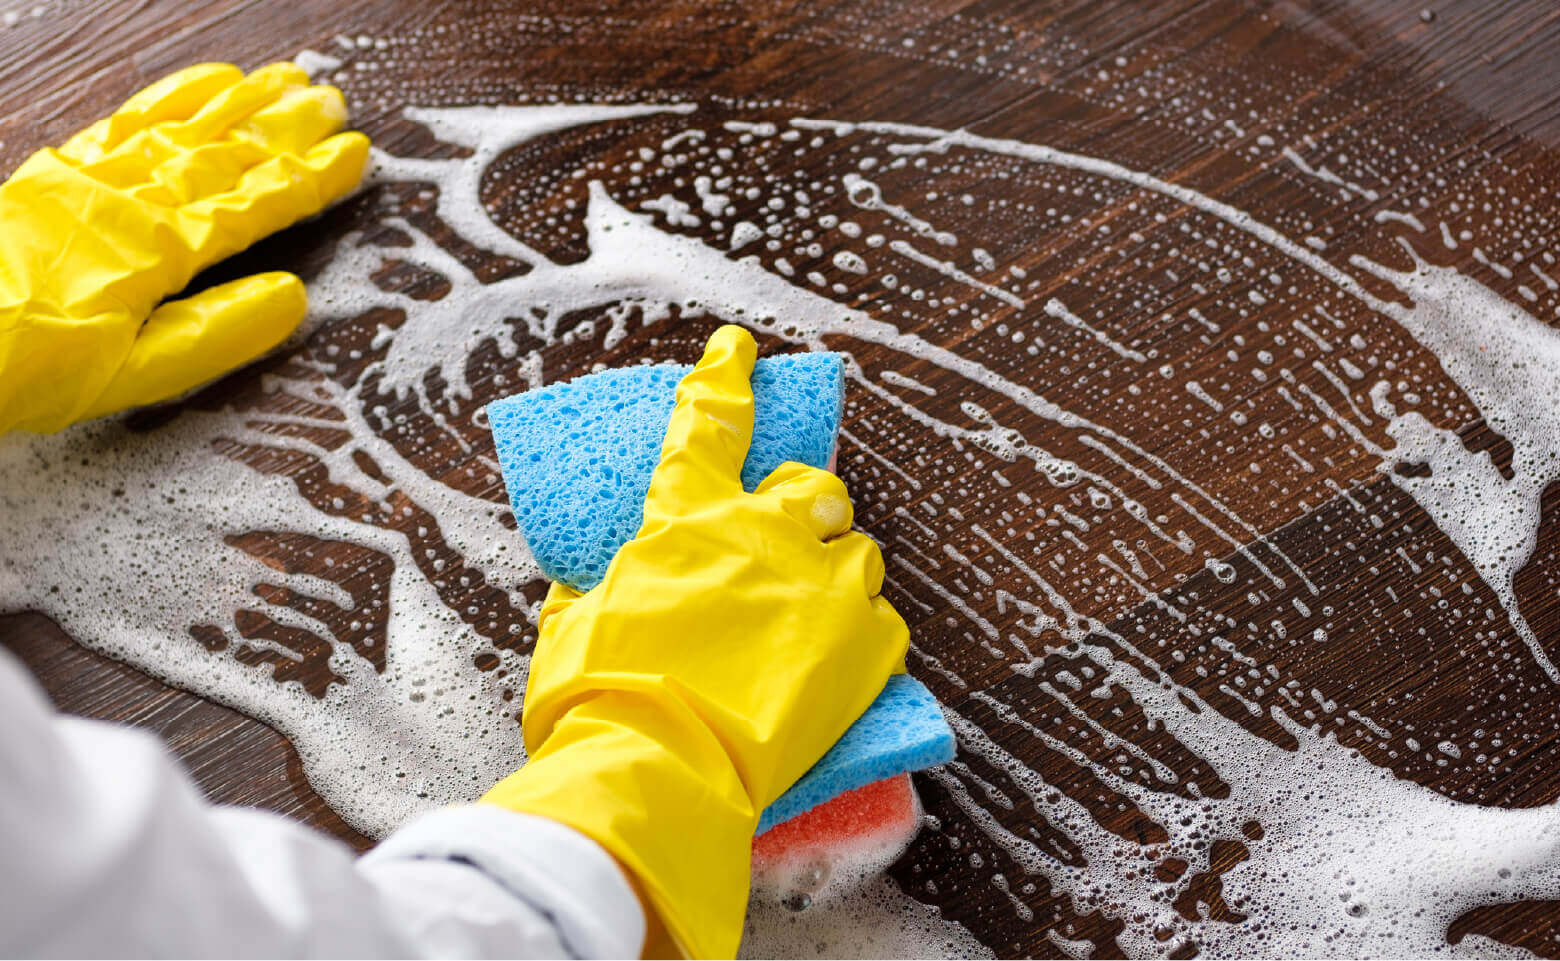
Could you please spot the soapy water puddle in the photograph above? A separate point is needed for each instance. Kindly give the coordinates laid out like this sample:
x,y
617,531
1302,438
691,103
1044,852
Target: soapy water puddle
x,y
304,551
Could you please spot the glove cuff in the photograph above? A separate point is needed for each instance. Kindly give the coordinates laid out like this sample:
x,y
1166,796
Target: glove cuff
x,y
684,831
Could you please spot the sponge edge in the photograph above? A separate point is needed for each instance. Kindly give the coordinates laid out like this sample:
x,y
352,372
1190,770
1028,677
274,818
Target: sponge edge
x,y
903,730
577,457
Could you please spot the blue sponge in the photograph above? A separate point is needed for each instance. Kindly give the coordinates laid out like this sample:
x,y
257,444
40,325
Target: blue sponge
x,y
577,459
577,456
902,731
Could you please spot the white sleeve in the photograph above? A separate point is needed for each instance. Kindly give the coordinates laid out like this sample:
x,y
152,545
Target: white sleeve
x,y
110,850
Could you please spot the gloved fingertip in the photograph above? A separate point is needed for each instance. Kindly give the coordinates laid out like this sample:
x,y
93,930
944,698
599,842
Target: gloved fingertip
x,y
189,87
239,320
206,72
340,160
711,426
277,291
813,496
782,474
296,121
332,103
730,344
725,369
283,73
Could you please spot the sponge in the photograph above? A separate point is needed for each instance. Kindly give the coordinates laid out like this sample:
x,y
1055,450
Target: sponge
x,y
903,730
883,816
577,459
577,456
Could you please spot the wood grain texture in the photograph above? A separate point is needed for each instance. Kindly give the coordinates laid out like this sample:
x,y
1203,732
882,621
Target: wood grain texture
x,y
1468,95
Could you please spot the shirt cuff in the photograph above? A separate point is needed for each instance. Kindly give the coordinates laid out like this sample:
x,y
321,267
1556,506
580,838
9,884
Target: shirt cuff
x,y
554,869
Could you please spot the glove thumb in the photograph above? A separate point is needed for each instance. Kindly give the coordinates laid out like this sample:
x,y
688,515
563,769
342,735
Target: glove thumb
x,y
186,343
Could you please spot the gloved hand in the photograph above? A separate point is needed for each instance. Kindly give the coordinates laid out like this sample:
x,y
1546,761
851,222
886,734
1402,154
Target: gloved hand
x,y
729,645
95,234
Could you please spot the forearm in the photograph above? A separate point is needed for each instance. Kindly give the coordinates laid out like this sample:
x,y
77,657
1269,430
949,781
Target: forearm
x,y
111,851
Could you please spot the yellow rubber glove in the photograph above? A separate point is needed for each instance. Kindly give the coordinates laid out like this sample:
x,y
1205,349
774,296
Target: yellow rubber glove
x,y
95,234
729,645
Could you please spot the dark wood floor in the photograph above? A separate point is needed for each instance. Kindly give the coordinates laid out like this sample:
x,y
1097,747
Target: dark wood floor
x,y
1431,104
